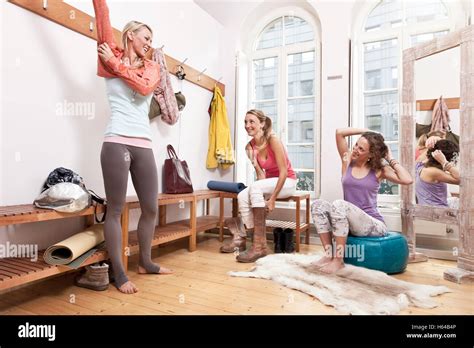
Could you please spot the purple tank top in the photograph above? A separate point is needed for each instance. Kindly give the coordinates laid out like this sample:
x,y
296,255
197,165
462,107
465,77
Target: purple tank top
x,y
428,193
362,192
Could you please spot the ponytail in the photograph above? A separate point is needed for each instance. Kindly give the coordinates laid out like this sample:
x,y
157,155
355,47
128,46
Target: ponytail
x,y
267,129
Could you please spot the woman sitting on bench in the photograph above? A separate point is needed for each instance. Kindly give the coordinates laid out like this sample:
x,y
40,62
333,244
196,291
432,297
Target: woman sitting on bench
x,y
362,171
275,179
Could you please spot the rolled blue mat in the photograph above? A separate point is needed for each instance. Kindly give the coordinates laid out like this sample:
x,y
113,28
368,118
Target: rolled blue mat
x,y
227,186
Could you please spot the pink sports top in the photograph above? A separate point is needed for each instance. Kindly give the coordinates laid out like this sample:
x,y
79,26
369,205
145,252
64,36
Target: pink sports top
x,y
270,165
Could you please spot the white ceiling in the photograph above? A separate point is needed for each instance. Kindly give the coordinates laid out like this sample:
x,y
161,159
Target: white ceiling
x,y
227,11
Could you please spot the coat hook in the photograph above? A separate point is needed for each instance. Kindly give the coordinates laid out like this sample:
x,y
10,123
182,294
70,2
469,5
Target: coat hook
x,y
91,26
183,61
45,4
219,80
200,74
162,47
180,74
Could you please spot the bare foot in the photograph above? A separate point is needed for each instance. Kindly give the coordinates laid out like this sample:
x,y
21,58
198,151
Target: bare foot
x,y
163,270
332,267
128,288
321,262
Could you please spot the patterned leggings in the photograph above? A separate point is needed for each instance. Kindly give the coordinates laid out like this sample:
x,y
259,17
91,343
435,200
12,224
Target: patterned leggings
x,y
342,217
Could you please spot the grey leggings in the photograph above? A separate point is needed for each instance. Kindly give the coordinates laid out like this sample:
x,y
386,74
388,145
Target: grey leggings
x,y
117,160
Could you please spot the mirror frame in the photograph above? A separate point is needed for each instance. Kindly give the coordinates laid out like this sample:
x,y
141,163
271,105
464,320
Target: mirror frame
x,y
464,217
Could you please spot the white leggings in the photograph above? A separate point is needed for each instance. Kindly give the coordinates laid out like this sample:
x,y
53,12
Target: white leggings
x,y
253,196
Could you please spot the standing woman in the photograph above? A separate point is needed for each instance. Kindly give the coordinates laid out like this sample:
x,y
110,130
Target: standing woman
x,y
362,171
130,81
275,179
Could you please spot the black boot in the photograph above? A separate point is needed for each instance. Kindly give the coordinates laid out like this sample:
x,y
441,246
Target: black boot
x,y
289,245
278,240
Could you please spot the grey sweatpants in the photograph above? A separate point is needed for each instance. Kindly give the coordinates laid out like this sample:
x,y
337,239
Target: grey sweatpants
x,y
117,160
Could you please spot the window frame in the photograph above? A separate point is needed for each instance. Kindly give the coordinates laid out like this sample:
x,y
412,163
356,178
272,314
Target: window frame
x,y
282,98
402,34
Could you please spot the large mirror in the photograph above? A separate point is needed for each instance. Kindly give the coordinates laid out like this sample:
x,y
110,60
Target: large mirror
x,y
443,67
437,128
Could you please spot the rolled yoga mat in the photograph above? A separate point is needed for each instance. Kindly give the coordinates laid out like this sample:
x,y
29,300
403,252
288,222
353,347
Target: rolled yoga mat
x,y
75,247
227,186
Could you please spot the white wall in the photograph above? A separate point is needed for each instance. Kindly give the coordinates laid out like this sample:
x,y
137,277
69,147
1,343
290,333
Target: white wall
x,y
446,82
46,65
338,22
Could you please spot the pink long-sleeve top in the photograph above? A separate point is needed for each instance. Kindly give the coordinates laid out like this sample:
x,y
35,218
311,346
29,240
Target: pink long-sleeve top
x,y
143,80
129,90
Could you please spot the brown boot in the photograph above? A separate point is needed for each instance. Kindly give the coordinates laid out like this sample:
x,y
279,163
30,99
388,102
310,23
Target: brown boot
x,y
95,278
259,245
239,234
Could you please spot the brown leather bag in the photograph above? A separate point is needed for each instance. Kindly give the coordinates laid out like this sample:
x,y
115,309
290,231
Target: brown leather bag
x,y
176,177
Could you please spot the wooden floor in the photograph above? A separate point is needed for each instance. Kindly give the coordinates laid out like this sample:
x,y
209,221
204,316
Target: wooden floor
x,y
200,285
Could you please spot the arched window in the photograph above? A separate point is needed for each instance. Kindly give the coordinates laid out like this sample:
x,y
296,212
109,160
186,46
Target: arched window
x,y
390,27
284,74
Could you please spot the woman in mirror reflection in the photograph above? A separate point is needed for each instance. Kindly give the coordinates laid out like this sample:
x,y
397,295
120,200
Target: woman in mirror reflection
x,y
363,168
434,170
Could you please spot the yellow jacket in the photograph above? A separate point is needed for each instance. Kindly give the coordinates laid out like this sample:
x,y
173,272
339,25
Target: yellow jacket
x,y
220,152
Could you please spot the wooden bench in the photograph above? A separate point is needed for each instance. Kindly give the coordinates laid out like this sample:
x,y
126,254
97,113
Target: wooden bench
x,y
297,225
15,271
20,271
168,232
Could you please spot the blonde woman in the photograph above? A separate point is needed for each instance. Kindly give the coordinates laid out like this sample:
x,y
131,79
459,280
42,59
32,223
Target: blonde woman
x,y
275,179
130,81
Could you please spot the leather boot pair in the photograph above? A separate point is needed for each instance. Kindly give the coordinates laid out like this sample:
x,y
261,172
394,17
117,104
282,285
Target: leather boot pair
x,y
239,235
283,240
259,245
96,277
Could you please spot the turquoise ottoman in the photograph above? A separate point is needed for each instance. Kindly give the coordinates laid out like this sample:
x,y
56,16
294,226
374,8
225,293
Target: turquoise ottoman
x,y
388,254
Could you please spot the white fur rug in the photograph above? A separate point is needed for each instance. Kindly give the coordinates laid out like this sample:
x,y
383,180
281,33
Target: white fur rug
x,y
351,290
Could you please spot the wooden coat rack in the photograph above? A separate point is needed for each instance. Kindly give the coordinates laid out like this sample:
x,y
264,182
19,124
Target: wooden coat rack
x,y
428,104
82,23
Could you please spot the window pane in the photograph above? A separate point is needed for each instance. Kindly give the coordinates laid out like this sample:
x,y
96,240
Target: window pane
x,y
380,64
305,181
270,110
297,30
300,120
388,187
387,14
416,39
272,35
381,113
301,74
427,10
266,78
301,156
